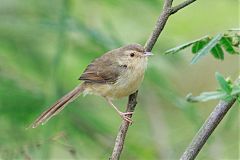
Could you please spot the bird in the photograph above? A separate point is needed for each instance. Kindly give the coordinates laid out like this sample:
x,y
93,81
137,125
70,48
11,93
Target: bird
x,y
116,74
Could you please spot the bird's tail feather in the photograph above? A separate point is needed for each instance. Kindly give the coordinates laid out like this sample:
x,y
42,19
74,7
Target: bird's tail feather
x,y
58,106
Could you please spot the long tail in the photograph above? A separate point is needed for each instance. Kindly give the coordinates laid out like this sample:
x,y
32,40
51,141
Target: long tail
x,y
58,106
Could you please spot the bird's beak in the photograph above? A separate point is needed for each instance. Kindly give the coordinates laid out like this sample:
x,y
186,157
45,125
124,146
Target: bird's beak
x,y
148,54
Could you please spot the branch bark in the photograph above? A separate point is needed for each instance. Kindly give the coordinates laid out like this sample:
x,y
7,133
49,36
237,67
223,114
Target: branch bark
x,y
206,130
132,100
161,22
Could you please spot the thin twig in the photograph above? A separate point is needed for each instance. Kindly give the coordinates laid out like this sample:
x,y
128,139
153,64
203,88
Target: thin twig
x,y
206,130
181,6
208,127
161,22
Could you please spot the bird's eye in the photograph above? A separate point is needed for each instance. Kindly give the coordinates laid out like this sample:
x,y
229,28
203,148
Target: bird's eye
x,y
132,54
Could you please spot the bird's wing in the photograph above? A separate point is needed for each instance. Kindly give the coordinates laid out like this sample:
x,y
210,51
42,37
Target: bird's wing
x,y
104,69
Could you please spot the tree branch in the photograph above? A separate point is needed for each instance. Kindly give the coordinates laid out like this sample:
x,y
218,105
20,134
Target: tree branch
x,y
206,130
119,142
181,6
132,101
161,22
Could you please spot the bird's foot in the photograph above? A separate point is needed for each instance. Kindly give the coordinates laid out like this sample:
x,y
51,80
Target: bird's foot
x,y
125,117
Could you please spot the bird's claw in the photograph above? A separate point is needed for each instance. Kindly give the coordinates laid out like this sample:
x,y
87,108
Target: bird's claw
x,y
126,113
125,117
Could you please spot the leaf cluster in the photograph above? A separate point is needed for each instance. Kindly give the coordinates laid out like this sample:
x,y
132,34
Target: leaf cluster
x,y
226,91
217,45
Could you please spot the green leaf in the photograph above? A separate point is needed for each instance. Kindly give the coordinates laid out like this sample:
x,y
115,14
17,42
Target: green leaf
x,y
236,41
227,98
234,29
207,48
183,46
226,42
206,96
238,38
223,83
235,90
238,99
199,45
217,52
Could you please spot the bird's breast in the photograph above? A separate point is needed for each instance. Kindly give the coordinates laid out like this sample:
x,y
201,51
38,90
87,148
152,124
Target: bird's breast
x,y
128,82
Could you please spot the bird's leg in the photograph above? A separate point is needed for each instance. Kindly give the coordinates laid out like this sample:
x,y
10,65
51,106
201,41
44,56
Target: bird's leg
x,y
123,115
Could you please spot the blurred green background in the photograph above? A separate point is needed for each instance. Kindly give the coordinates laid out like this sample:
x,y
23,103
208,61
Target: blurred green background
x,y
45,46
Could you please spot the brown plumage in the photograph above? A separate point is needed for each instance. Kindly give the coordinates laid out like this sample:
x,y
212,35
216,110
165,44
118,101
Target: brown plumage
x,y
57,106
116,74
102,70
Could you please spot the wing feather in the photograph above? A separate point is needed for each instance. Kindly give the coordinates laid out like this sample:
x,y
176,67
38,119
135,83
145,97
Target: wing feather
x,y
104,69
